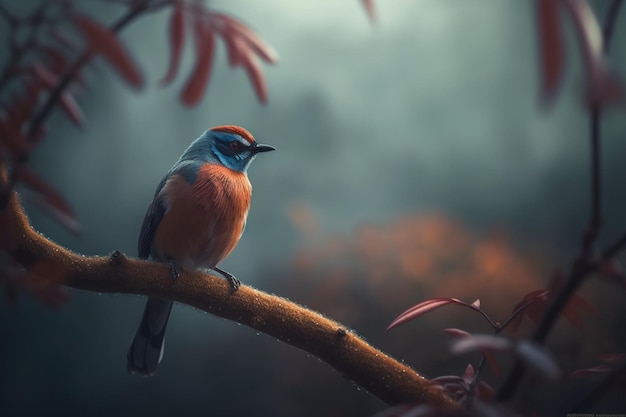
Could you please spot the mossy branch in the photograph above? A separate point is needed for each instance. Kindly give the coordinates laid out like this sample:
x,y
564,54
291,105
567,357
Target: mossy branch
x,y
378,373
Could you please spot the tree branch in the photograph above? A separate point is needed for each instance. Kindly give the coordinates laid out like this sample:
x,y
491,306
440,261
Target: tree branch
x,y
381,375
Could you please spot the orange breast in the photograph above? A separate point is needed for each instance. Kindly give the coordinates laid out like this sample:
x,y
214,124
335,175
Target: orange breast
x,y
204,221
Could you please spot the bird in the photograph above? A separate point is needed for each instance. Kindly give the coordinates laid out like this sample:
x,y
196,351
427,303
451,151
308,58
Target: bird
x,y
195,220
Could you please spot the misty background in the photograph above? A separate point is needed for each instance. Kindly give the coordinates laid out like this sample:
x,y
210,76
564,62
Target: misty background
x,y
429,119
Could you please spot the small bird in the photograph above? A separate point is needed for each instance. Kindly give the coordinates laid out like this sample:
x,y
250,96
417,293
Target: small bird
x,y
195,220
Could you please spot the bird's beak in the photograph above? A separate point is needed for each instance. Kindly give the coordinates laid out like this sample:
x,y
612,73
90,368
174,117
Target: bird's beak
x,y
262,148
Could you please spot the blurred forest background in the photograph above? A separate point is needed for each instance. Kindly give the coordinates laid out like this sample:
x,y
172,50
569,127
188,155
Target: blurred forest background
x,y
414,161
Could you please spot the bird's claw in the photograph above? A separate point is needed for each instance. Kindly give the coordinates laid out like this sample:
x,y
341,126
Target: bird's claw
x,y
232,281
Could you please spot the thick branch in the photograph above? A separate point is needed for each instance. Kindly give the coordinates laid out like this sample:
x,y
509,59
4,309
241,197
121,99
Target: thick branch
x,y
383,376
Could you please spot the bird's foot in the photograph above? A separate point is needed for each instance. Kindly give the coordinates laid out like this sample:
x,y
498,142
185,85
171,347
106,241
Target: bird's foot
x,y
232,281
174,269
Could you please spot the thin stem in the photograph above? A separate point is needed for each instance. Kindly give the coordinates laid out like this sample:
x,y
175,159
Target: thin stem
x,y
586,263
595,219
609,24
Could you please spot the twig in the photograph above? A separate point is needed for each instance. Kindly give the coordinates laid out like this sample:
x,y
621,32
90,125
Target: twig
x,y
381,375
586,263
595,221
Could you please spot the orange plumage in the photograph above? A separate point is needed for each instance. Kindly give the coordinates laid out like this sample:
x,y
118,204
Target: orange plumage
x,y
204,221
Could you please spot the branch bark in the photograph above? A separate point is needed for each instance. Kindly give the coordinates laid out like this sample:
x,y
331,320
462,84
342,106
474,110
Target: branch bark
x,y
378,373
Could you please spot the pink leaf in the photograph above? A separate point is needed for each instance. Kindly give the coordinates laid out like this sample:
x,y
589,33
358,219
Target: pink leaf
x,y
603,86
177,39
424,307
369,8
103,41
550,46
457,332
469,374
196,84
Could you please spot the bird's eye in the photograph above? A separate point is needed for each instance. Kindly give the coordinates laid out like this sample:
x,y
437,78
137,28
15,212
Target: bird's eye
x,y
235,146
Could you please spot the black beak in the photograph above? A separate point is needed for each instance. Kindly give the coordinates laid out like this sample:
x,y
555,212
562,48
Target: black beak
x,y
258,147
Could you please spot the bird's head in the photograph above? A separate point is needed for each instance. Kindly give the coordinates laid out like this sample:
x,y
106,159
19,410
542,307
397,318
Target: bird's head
x,y
230,146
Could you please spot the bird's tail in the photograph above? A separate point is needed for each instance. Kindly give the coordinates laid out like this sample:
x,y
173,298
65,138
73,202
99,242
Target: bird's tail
x,y
146,349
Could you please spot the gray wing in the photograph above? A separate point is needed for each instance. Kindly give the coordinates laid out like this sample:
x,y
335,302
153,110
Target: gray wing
x,y
156,209
151,221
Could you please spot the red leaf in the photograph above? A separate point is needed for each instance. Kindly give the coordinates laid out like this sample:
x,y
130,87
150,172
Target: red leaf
x,y
423,308
51,196
550,46
103,41
603,86
369,8
68,104
235,48
527,306
255,74
196,84
72,109
252,40
177,39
